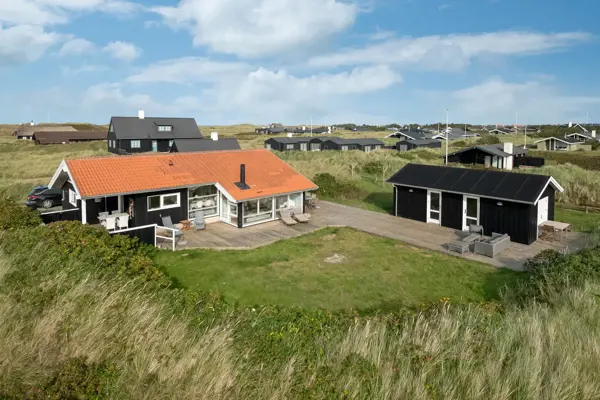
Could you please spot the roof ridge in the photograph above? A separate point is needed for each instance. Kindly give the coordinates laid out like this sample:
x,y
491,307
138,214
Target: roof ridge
x,y
143,155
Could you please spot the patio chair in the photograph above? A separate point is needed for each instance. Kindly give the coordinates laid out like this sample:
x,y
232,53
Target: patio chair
x,y
303,218
168,223
286,217
103,214
110,223
199,222
493,246
123,222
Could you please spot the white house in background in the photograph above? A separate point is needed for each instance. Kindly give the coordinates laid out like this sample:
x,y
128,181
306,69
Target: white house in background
x,y
578,125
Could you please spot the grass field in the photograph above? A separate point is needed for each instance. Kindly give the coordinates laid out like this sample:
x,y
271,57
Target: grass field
x,y
375,273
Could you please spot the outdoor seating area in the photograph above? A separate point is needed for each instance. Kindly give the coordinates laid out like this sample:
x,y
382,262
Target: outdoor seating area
x,y
480,244
114,220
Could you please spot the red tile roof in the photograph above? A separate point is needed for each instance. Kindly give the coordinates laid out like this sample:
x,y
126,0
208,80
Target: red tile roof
x,y
266,174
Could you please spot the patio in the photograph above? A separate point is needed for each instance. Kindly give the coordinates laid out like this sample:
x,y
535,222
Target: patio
x,y
221,236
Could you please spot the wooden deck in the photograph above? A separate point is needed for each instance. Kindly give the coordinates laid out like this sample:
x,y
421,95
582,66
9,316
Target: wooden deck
x,y
221,236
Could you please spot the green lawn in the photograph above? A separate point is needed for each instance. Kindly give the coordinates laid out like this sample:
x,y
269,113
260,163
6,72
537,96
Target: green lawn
x,y
581,221
376,273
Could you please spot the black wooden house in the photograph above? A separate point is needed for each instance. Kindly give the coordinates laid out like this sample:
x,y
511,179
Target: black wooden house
x,y
365,144
502,202
127,135
407,145
297,143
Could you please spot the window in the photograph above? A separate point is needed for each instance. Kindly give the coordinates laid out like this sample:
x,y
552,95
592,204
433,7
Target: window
x,y
344,148
315,146
367,149
112,128
205,199
165,128
163,201
135,144
303,146
171,143
72,197
289,147
258,210
268,146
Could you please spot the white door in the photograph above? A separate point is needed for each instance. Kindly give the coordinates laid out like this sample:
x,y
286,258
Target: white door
x,y
542,211
470,211
303,146
434,207
225,209
488,161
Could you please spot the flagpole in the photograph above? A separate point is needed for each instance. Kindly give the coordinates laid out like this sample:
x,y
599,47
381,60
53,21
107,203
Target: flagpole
x,y
447,130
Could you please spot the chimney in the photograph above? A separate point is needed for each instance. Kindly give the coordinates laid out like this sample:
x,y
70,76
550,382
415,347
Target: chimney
x,y
141,114
290,134
594,134
508,161
570,124
214,136
242,183
31,123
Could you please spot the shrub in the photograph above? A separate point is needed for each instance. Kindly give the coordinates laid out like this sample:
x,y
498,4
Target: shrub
x,y
332,188
13,216
488,139
78,380
458,143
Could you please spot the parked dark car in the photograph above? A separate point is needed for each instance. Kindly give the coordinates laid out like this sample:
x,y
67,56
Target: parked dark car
x,y
41,196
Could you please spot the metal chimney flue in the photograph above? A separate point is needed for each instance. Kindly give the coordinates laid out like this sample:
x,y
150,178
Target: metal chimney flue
x,y
242,183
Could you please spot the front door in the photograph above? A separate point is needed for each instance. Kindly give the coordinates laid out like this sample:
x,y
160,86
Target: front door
x,y
434,207
542,211
470,212
154,145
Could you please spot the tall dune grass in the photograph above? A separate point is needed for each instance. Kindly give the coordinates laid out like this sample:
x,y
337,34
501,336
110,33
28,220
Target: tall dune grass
x,y
53,311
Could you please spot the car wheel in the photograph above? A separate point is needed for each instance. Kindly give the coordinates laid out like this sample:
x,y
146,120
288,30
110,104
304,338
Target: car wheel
x,y
47,203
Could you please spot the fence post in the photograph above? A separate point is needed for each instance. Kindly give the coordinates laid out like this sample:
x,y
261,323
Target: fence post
x,y
173,233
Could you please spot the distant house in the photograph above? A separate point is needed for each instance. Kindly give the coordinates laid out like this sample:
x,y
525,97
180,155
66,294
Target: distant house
x,y
583,137
407,145
302,143
501,156
365,145
196,145
500,201
66,137
411,134
140,134
577,125
554,143
501,131
25,132
454,134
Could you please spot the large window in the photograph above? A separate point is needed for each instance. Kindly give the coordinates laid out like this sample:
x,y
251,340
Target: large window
x,y
72,198
136,144
289,147
205,199
164,201
258,210
344,148
165,128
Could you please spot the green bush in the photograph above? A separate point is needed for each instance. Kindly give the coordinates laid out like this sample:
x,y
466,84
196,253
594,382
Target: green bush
x,y
332,188
488,139
114,254
458,143
13,216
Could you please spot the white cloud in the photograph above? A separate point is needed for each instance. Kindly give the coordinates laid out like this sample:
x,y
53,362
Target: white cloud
x,y
76,47
24,43
85,68
497,101
250,28
188,70
452,51
123,51
264,94
48,12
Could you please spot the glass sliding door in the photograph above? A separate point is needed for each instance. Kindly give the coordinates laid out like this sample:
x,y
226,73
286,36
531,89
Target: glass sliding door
x,y
470,212
256,211
205,199
434,207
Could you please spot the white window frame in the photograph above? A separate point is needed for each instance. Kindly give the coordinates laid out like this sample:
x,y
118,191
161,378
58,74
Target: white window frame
x,y
429,210
268,146
304,146
202,198
165,128
136,144
162,201
171,143
289,147
465,226
72,197
345,147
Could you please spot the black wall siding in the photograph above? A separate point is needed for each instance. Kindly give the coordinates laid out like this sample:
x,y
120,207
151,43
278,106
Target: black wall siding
x,y
518,220
145,235
412,205
240,215
112,137
144,217
452,210
395,197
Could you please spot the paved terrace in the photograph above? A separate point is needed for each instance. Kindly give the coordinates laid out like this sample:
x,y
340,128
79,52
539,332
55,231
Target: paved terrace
x,y
221,236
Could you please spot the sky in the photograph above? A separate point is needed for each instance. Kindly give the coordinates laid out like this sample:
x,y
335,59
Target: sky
x,y
293,61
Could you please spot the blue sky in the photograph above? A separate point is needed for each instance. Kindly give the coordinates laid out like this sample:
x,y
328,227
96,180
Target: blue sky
x,y
262,61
